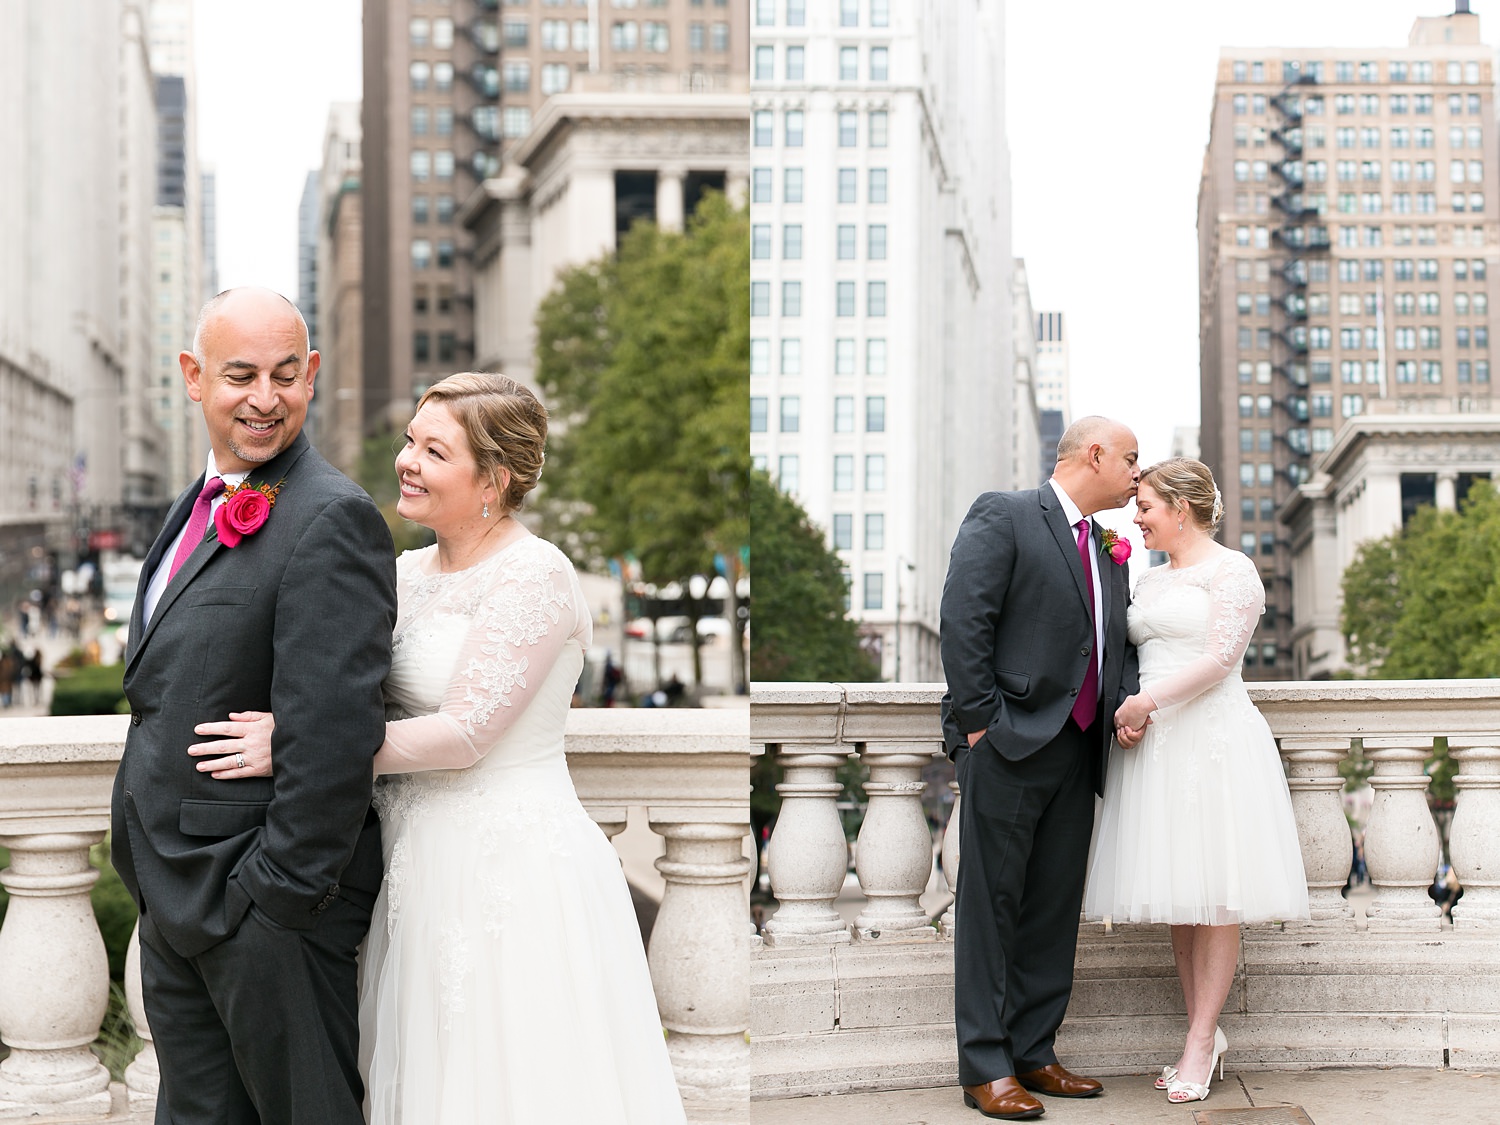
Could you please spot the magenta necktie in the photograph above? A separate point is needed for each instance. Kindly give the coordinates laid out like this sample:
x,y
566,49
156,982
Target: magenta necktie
x,y
1087,704
197,524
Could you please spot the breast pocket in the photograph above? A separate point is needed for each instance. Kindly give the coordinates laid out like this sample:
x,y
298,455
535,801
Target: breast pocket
x,y
208,617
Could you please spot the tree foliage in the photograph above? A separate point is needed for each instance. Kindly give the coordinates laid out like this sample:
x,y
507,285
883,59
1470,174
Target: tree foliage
x,y
800,631
377,476
643,357
1424,603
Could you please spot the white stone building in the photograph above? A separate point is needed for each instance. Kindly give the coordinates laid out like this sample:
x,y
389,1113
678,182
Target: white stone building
x,y
78,449
1026,457
1383,465
881,353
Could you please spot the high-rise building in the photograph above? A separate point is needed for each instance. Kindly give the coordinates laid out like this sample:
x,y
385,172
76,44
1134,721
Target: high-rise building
x,y
1052,387
340,287
429,123
1346,243
209,225
880,372
1026,432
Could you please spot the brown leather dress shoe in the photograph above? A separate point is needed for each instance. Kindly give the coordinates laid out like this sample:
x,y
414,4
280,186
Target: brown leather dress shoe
x,y
1003,1098
1060,1082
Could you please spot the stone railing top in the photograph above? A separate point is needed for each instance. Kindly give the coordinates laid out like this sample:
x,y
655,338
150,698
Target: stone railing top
x,y
831,712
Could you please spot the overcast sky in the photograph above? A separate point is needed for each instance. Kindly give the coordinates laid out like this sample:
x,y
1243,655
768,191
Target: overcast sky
x,y
1108,106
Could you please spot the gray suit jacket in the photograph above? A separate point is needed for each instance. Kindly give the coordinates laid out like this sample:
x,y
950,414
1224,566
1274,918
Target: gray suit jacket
x,y
1016,632
297,620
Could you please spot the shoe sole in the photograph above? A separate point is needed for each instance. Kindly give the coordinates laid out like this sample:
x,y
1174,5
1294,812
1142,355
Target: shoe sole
x,y
973,1103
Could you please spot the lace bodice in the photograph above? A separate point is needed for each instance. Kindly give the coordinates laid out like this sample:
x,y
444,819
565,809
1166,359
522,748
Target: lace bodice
x,y
1192,625
480,655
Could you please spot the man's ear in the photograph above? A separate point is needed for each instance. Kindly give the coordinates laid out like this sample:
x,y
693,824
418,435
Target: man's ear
x,y
192,375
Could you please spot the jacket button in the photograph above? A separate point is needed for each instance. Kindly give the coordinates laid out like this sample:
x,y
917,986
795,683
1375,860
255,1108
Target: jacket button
x,y
1084,651
1073,691
135,718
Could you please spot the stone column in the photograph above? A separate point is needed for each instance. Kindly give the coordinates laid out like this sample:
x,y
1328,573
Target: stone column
x,y
1322,830
54,979
894,856
808,856
1446,497
1401,840
143,1076
670,210
1474,835
700,964
951,842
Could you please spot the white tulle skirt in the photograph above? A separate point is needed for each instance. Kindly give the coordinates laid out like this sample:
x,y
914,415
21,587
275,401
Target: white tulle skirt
x,y
504,981
1197,825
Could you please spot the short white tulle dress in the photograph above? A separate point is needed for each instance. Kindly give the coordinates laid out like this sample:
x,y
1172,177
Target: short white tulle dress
x,y
1197,825
503,981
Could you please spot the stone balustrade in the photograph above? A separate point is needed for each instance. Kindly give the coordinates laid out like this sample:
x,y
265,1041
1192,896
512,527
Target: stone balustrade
x,y
689,770
814,964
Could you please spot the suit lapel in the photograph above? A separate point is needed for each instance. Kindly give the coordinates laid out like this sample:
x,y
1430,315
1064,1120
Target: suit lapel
x,y
1106,579
271,472
178,516
1067,541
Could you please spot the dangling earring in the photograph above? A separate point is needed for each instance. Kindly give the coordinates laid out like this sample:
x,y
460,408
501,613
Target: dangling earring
x,y
1179,525
486,512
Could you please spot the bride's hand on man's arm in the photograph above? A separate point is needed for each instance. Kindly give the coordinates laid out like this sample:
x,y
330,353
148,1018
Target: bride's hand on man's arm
x,y
243,748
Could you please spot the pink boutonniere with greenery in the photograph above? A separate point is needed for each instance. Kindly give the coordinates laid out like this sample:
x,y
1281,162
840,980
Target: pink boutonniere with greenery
x,y
245,510
1117,546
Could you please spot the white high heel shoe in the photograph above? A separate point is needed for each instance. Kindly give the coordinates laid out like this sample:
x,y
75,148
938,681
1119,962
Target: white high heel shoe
x,y
1170,1072
1180,1090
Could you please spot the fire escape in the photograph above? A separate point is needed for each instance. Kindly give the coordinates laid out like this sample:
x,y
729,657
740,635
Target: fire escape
x,y
1302,235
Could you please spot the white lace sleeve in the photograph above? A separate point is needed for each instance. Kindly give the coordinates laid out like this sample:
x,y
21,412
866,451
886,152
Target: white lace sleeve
x,y
1236,599
519,626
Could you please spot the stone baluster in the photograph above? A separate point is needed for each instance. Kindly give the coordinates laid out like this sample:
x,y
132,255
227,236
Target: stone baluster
x,y
1322,828
894,857
951,844
808,855
1474,835
1401,840
143,1075
54,979
700,964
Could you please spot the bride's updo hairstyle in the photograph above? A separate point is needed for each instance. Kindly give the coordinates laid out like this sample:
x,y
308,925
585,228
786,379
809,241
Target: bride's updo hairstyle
x,y
1181,480
506,426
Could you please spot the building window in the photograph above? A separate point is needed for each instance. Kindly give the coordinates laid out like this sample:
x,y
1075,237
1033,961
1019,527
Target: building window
x,y
843,357
845,241
719,37
791,414
792,186
848,128
796,13
442,164
791,356
419,121
757,414
791,298
874,472
786,472
880,64
515,120
843,472
555,77
419,30
419,208
848,13
848,185
760,178
875,414
844,298
794,122
843,414
848,64
877,185
875,299
765,13
421,347
421,165
843,531
795,63
874,531
420,74
879,128
760,298
877,242
791,242
765,63
445,208
760,357
516,77
875,357
516,32
445,253
874,590
656,36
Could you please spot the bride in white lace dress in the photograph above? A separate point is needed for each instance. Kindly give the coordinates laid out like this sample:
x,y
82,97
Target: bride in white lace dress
x,y
503,979
1197,829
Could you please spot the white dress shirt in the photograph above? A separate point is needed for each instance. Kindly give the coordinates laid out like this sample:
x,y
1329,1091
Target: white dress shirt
x,y
1071,510
158,583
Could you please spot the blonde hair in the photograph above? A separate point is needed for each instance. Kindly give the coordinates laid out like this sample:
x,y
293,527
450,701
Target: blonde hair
x,y
1184,481
505,424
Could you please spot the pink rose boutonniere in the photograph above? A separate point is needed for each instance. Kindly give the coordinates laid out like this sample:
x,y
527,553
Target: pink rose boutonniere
x,y
1117,546
245,510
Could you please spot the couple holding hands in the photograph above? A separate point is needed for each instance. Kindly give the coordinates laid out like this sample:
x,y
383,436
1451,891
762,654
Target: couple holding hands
x,y
1061,686
503,979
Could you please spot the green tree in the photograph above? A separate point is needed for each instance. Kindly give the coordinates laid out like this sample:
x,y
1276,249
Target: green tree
x,y
800,630
1424,603
377,476
644,357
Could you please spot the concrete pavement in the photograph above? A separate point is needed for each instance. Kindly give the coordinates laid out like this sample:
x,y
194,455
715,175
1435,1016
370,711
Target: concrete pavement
x,y
1327,1097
